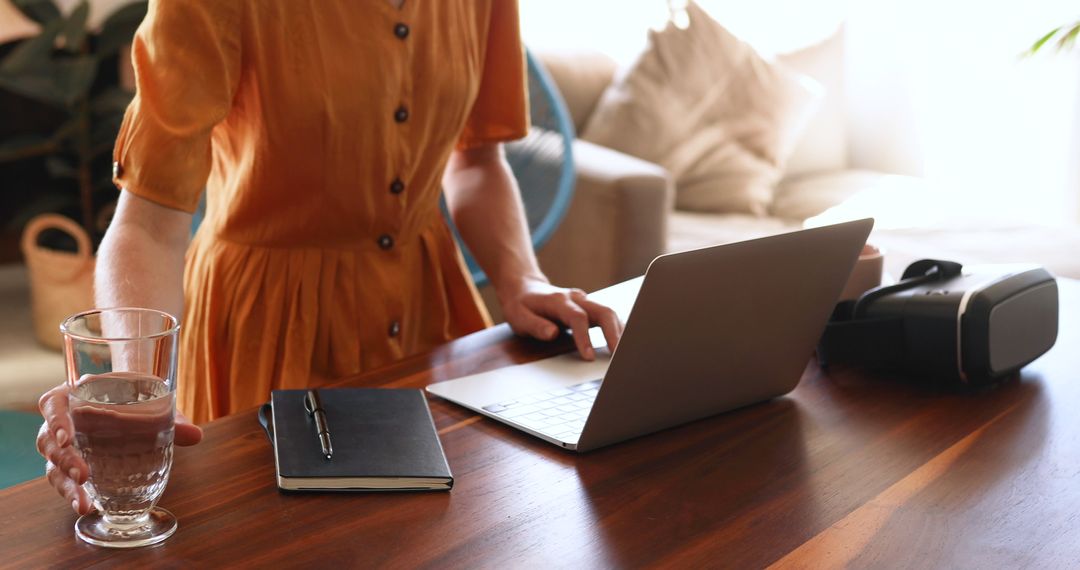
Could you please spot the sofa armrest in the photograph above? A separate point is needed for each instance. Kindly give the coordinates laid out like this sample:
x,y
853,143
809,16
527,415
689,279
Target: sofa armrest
x,y
615,226
616,223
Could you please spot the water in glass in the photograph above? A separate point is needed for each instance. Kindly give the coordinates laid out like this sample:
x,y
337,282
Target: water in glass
x,y
124,429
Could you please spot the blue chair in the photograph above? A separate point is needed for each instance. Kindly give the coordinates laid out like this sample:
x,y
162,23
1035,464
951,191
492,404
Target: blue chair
x,y
542,162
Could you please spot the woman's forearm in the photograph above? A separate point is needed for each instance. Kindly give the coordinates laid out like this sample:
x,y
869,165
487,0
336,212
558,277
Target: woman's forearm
x,y
141,259
484,201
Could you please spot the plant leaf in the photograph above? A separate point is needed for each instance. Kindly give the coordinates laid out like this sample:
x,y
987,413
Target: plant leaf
x,y
1035,47
37,84
74,32
40,11
1068,38
74,78
120,28
34,51
60,82
112,101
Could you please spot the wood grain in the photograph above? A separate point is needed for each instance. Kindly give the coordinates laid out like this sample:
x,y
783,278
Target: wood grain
x,y
850,470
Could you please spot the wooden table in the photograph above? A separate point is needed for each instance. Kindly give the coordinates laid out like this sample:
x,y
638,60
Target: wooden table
x,y
847,470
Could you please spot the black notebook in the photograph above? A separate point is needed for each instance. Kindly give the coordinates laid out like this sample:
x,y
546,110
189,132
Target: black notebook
x,y
383,440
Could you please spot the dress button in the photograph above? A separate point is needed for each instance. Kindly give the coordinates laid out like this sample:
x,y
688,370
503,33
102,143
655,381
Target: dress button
x,y
397,186
117,170
395,329
386,242
401,115
401,31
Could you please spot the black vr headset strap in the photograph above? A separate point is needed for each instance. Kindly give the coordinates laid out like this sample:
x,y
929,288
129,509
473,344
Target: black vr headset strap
x,y
918,273
852,338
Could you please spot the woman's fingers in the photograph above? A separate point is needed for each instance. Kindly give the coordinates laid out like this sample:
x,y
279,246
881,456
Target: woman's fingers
x,y
528,323
54,440
65,469
542,308
560,307
67,459
54,408
186,432
605,317
578,320
69,489
571,308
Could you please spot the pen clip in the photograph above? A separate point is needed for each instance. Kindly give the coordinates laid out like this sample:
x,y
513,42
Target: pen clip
x,y
314,408
312,403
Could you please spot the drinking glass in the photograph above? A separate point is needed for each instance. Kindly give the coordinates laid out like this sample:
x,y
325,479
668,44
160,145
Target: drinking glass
x,y
121,371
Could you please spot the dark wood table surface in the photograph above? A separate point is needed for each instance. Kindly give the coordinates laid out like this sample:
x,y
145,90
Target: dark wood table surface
x,y
848,470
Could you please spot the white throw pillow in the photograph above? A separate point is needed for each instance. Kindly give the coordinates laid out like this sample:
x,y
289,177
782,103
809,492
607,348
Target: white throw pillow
x,y
709,109
822,145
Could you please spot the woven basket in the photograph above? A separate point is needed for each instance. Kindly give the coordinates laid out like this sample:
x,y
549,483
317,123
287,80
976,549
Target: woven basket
x,y
61,282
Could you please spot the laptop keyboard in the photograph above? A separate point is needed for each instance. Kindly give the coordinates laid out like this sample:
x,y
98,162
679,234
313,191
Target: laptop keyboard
x,y
559,413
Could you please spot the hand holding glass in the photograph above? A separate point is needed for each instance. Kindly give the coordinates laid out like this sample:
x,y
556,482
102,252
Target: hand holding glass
x,y
121,370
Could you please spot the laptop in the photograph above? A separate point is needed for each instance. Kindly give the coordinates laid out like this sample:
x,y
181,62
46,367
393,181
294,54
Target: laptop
x,y
707,331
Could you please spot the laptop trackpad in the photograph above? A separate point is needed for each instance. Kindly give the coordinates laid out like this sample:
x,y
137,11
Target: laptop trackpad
x,y
503,384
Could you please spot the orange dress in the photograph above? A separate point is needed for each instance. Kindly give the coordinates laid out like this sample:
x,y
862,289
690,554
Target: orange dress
x,y
320,131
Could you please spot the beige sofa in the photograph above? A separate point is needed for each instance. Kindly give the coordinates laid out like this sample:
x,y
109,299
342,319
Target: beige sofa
x,y
597,246
622,212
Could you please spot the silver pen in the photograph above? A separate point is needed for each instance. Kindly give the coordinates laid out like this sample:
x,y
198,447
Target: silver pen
x,y
314,408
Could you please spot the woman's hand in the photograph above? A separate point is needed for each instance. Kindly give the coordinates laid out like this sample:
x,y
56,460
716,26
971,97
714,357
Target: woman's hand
x,y
537,308
485,203
65,468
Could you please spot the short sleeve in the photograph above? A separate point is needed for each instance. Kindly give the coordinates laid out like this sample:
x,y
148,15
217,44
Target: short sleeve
x,y
186,56
501,109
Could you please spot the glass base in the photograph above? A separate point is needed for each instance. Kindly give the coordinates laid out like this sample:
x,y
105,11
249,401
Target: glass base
x,y
93,528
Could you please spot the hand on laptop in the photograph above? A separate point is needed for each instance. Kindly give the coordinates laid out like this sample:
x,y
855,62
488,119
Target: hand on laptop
x,y
539,309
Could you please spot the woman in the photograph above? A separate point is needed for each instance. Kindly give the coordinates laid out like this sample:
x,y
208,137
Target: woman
x,y
324,134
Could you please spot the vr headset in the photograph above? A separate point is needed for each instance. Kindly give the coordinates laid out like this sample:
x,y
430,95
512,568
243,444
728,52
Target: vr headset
x,y
944,322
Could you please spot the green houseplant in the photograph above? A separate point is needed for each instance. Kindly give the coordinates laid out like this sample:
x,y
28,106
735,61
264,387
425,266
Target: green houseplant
x,y
73,74
66,80
1063,37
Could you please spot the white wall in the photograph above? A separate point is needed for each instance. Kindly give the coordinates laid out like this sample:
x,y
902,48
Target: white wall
x,y
937,89
619,27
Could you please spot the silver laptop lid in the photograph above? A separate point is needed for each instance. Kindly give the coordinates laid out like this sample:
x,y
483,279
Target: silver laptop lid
x,y
722,327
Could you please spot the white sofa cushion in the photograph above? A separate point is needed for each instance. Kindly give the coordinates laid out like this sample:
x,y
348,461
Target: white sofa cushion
x,y
709,109
822,146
